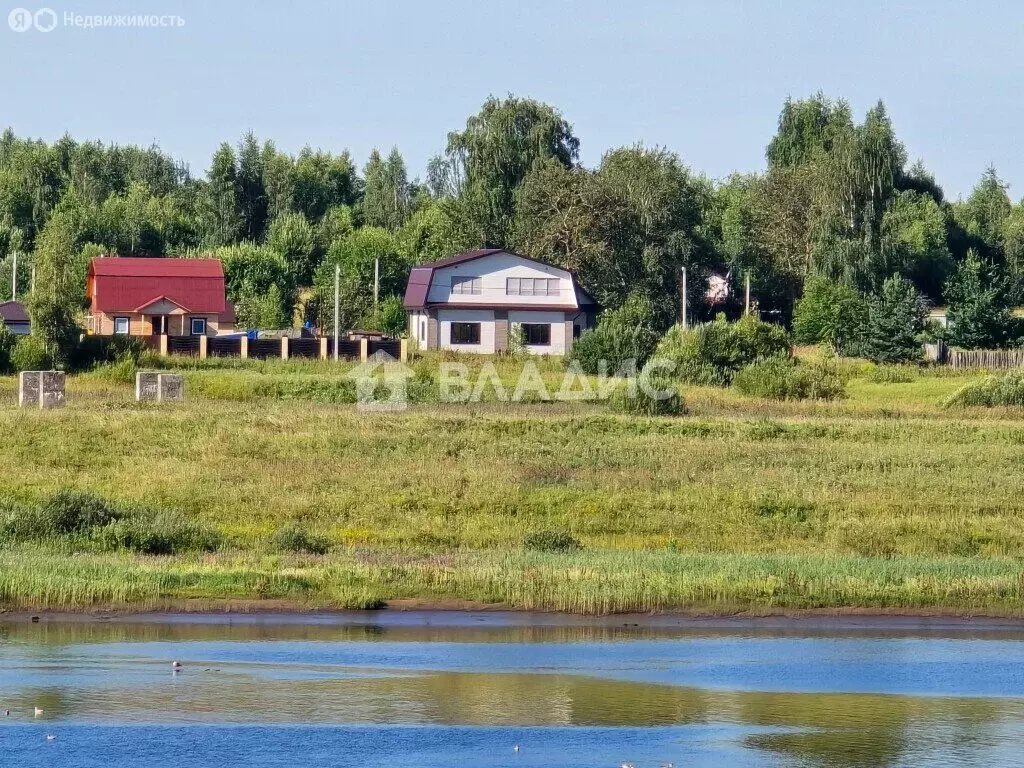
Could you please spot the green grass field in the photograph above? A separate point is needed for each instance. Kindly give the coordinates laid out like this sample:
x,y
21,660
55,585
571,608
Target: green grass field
x,y
883,500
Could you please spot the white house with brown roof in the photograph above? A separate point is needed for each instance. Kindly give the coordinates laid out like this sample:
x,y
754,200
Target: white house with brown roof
x,y
469,302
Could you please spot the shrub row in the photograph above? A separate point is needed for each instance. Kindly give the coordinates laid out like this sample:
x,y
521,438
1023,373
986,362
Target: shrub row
x,y
990,392
87,521
710,354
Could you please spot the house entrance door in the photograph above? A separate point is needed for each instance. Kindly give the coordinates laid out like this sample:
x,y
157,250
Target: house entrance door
x,y
160,325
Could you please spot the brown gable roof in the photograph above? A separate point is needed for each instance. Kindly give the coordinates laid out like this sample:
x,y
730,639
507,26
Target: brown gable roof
x,y
13,312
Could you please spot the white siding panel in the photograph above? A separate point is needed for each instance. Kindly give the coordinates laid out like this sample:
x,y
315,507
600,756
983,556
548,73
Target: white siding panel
x,y
557,322
493,272
445,318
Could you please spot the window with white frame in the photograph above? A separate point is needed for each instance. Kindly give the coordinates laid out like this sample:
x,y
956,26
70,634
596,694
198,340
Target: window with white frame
x,y
198,326
466,286
121,326
532,286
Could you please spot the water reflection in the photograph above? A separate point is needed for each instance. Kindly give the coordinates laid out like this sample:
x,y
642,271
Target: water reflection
x,y
575,678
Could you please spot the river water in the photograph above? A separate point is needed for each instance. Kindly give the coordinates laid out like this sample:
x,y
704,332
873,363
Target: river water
x,y
432,689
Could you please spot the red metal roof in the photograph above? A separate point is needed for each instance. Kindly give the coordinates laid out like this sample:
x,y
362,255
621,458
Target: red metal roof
x,y
13,312
127,284
416,290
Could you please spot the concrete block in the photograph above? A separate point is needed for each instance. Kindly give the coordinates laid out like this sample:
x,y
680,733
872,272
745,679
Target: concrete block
x,y
170,388
28,388
51,389
147,386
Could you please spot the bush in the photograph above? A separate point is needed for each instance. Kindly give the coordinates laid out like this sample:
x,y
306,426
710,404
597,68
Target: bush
x,y
551,541
69,511
123,371
640,403
990,392
88,521
711,353
152,532
830,313
294,538
29,354
99,350
621,335
7,342
783,379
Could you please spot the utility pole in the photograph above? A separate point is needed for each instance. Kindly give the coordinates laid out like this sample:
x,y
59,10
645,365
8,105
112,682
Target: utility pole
x,y
746,303
376,283
682,298
337,309
14,277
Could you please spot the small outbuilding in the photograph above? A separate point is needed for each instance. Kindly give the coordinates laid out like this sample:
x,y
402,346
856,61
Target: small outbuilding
x,y
15,317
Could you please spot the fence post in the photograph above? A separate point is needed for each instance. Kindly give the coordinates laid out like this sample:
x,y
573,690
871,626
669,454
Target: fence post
x,y
323,347
284,347
164,344
364,350
243,348
403,351
202,347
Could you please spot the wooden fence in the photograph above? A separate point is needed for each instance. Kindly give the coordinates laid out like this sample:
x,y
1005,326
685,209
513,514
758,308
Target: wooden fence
x,y
993,359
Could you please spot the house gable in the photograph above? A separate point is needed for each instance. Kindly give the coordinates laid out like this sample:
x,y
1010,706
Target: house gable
x,y
491,278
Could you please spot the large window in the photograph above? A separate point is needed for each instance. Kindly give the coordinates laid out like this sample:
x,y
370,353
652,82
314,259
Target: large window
x,y
537,334
466,286
121,326
465,333
198,326
532,286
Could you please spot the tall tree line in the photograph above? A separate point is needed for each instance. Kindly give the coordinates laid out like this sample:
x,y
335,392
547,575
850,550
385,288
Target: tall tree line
x,y
838,201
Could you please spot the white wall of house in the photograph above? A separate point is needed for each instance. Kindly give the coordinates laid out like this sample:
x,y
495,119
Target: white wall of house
x,y
494,272
555,319
418,327
445,318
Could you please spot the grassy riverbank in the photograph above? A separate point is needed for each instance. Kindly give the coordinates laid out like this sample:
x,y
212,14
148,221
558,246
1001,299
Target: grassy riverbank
x,y
884,500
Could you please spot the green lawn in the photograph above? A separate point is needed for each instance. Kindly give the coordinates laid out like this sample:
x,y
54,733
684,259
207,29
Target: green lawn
x,y
884,499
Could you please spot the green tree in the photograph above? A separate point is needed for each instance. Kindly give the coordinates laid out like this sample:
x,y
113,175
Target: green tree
x,y
223,219
493,154
896,317
386,192
979,307
260,282
356,255
808,130
60,282
389,318
830,313
252,194
278,182
983,214
916,227
292,236
320,181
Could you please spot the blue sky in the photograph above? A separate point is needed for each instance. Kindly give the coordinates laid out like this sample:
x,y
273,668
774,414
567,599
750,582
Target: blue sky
x,y
706,79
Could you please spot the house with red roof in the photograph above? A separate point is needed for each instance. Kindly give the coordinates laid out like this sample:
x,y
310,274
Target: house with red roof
x,y
155,296
472,301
